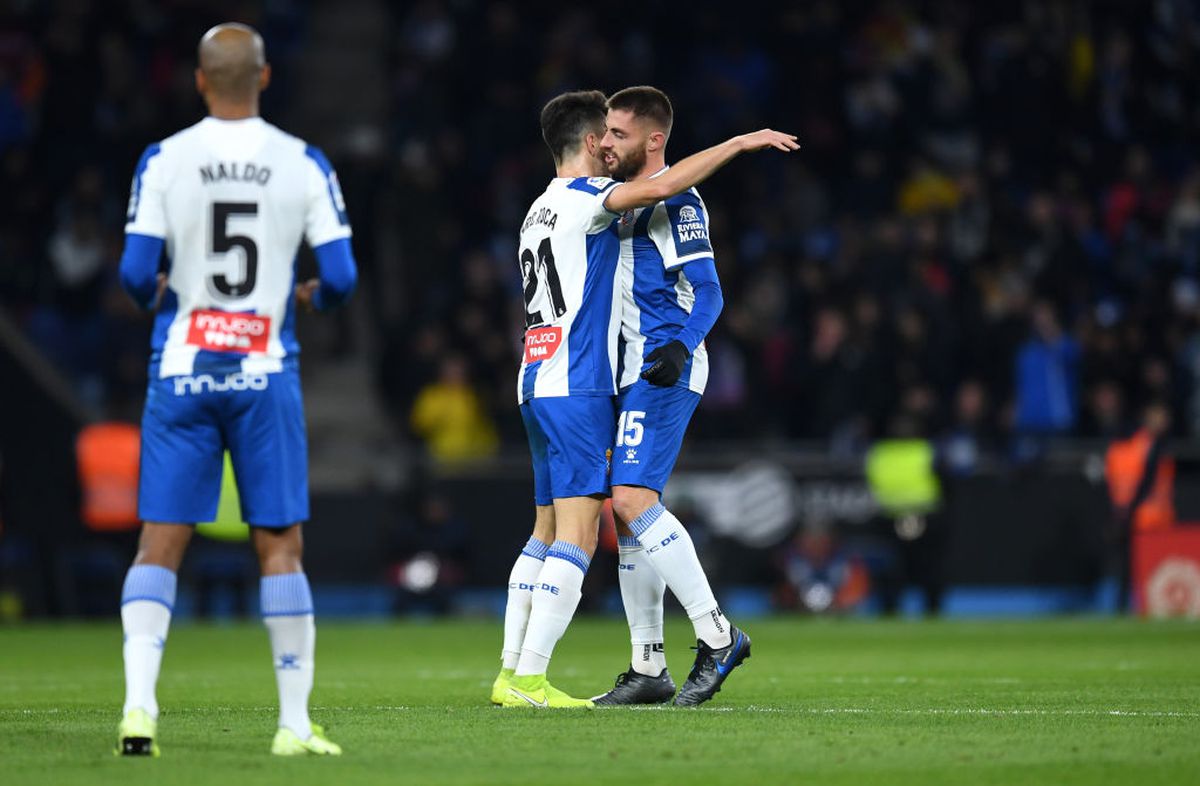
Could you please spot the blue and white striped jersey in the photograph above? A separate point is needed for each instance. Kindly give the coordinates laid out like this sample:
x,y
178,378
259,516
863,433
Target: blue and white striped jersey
x,y
568,256
656,242
232,199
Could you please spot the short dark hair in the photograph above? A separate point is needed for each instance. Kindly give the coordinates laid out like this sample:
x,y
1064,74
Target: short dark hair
x,y
567,119
645,101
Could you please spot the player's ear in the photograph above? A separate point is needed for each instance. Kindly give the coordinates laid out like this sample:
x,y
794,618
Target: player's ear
x,y
201,82
655,141
592,143
264,77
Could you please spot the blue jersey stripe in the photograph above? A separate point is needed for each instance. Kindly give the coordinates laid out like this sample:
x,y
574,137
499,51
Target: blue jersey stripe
x,y
654,294
135,199
330,181
529,380
590,371
287,331
163,319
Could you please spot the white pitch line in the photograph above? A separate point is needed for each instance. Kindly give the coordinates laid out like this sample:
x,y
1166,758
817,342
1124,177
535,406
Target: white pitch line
x,y
867,711
982,711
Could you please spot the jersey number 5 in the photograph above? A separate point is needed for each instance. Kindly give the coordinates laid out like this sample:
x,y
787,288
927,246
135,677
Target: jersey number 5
x,y
549,273
223,242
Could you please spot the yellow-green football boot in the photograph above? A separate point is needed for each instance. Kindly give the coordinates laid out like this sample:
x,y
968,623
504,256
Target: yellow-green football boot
x,y
135,735
500,686
287,743
533,690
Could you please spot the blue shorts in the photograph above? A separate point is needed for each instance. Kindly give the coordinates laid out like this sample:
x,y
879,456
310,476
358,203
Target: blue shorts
x,y
650,431
188,424
571,441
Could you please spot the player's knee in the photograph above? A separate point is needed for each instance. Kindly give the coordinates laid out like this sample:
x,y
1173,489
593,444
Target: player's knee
x,y
586,541
279,550
162,544
585,537
624,509
629,502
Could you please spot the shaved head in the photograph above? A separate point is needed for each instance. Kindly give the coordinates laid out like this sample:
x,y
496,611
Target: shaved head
x,y
232,58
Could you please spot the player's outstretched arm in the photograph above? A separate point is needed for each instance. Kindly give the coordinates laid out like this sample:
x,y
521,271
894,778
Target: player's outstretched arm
x,y
694,170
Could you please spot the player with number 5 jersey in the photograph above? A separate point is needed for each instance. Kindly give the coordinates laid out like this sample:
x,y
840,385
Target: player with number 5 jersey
x,y
568,251
231,200
217,213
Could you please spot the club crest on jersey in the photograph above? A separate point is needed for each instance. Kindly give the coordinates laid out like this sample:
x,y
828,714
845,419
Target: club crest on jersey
x,y
542,343
690,228
223,331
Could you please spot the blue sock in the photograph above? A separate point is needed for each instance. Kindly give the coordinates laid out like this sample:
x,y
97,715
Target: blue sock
x,y
150,582
285,595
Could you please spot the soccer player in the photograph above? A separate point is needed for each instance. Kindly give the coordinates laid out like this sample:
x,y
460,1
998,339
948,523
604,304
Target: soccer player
x,y
228,200
671,300
568,253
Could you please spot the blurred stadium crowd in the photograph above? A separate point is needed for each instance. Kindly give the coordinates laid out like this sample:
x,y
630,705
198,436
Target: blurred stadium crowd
x,y
992,230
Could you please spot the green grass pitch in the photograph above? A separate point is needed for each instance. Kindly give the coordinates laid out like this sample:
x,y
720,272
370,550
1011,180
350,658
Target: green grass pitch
x,y
830,702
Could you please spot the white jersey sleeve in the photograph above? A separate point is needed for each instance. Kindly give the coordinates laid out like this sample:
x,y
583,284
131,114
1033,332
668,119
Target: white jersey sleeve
x,y
326,218
597,217
147,214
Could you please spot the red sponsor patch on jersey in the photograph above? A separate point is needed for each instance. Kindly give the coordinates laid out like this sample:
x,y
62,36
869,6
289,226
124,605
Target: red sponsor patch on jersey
x,y
223,331
542,343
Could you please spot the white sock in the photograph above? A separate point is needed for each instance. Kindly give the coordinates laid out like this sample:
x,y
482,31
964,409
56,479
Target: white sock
x,y
288,614
669,548
555,598
520,599
146,602
642,594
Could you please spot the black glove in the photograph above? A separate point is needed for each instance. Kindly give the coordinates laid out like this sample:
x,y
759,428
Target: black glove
x,y
668,361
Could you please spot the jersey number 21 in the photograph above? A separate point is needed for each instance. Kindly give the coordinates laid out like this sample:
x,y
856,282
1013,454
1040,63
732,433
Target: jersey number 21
x,y
530,269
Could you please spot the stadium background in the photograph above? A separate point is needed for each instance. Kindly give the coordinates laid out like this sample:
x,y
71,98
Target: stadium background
x,y
991,236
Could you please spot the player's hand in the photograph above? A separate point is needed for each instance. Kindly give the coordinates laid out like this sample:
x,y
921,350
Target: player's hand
x,y
768,138
306,292
668,361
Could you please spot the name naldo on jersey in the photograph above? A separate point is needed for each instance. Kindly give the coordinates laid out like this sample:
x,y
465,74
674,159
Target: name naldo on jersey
x,y
656,242
568,256
232,201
